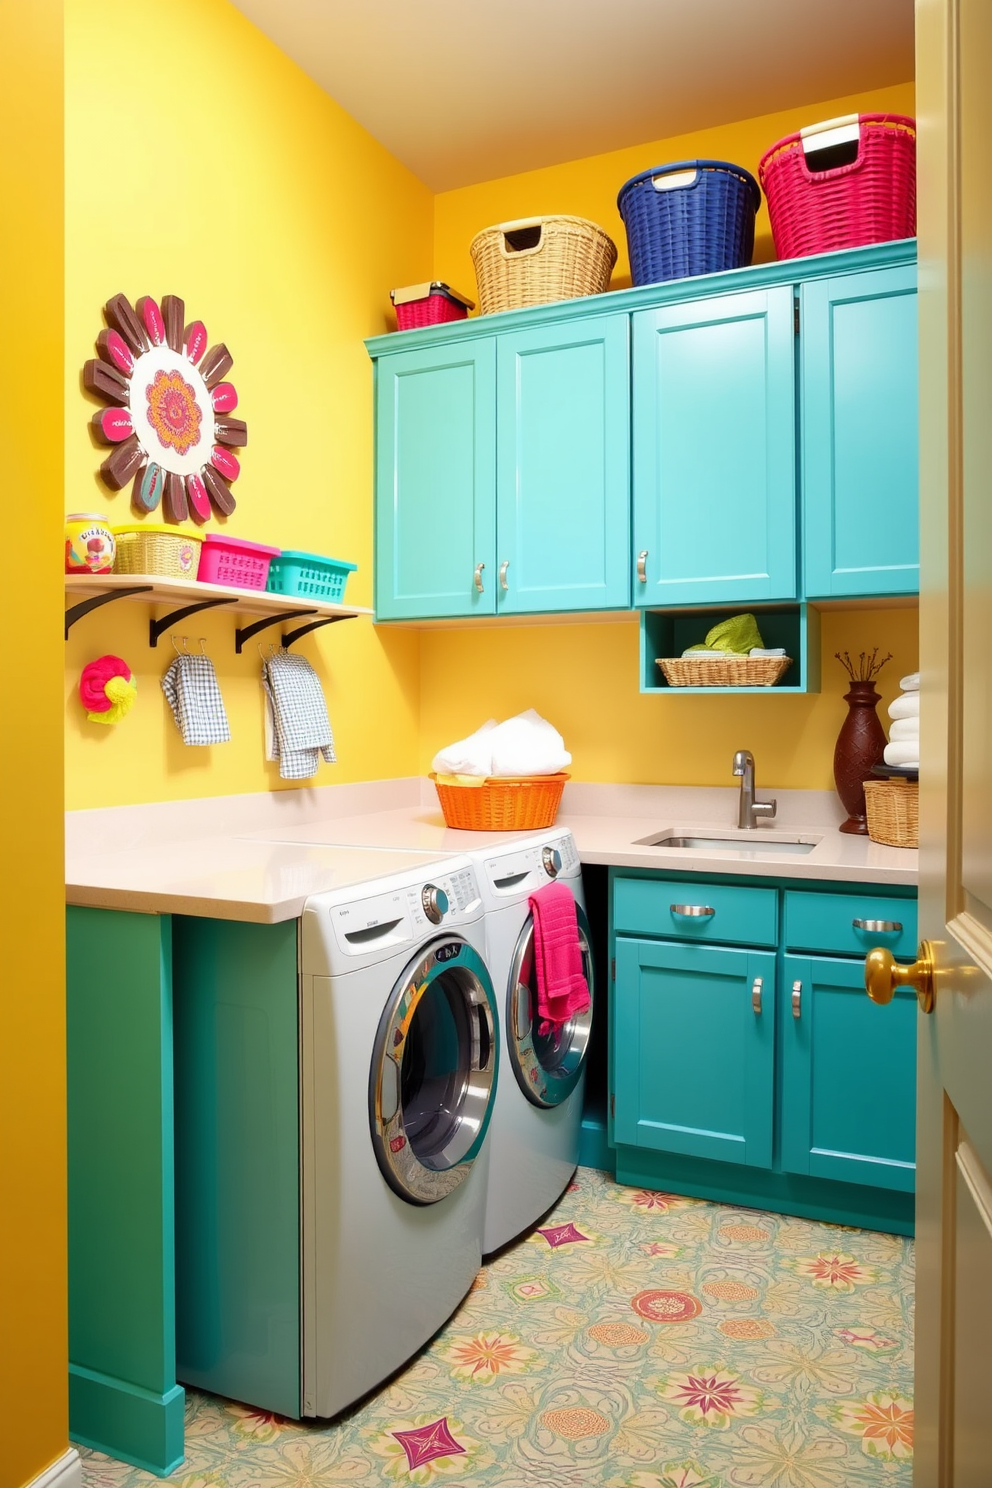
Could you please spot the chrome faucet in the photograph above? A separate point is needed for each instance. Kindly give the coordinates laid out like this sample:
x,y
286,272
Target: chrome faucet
x,y
750,810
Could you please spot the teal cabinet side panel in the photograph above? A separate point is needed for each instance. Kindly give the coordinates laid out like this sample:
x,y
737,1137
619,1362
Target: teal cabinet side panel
x,y
694,1053
563,484
714,454
238,1160
435,496
848,1077
860,434
123,1397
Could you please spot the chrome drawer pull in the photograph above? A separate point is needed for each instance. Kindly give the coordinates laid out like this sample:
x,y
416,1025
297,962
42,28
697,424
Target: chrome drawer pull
x,y
878,927
478,577
797,999
692,911
642,572
756,994
502,575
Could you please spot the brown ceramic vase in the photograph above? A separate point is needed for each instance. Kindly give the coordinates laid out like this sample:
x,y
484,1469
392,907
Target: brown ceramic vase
x,y
860,745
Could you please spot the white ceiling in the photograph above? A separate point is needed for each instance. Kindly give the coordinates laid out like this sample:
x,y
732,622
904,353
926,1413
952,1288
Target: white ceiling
x,y
464,91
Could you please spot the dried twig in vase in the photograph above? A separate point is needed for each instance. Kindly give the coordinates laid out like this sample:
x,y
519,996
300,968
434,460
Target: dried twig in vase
x,y
866,668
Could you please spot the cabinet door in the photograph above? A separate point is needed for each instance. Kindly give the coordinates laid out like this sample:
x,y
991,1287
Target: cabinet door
x,y
694,1049
859,431
563,486
848,1077
714,450
435,506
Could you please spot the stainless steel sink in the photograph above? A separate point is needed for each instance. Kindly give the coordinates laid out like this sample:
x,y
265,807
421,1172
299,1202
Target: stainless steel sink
x,y
745,844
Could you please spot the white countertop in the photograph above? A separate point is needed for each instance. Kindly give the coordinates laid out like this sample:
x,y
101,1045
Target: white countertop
x,y
260,857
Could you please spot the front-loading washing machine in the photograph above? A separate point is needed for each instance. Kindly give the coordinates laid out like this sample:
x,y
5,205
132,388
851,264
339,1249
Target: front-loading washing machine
x,y
370,1149
534,1140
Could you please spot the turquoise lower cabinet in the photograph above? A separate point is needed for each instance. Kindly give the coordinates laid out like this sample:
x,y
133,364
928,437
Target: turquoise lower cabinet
x,y
695,1037
848,1076
859,434
435,499
562,490
714,452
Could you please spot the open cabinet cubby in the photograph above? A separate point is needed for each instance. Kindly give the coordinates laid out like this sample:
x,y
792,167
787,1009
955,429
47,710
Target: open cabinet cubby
x,y
667,633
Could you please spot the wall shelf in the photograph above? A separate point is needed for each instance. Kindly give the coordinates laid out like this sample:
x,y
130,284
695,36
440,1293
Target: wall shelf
x,y
186,597
667,632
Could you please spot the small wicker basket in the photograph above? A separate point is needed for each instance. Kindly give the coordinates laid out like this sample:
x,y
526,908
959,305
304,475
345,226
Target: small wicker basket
x,y
152,548
525,802
893,808
539,259
723,671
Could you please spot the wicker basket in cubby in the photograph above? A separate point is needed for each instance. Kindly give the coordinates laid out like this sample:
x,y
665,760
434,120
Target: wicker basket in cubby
x,y
723,671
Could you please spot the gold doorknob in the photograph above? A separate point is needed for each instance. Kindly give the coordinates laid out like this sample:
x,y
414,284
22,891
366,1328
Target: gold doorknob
x,y
883,975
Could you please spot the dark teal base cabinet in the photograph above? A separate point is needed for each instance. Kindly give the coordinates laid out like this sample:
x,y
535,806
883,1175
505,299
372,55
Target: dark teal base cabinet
x,y
747,1065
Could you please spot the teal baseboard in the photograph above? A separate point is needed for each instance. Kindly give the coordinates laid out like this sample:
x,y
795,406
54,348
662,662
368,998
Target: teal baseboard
x,y
594,1150
759,1188
126,1421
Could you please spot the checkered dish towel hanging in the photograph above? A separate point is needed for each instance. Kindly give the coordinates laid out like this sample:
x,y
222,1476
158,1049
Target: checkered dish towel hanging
x,y
300,727
190,685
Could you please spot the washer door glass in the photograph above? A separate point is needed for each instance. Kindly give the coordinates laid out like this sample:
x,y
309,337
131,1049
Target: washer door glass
x,y
549,1065
433,1072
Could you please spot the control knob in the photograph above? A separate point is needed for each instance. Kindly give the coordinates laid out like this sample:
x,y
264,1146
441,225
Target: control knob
x,y
551,859
435,902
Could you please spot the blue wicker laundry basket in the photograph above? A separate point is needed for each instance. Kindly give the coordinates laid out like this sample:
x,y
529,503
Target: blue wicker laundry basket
x,y
690,217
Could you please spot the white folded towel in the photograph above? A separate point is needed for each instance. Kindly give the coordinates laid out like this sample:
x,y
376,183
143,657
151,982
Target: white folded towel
x,y
470,756
905,728
767,651
906,706
528,745
910,683
903,752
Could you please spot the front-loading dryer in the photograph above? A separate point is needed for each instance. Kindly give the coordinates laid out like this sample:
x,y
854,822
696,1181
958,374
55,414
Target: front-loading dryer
x,y
534,1140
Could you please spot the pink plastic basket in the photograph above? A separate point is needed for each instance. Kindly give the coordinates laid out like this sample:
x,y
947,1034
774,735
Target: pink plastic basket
x,y
233,561
841,184
428,304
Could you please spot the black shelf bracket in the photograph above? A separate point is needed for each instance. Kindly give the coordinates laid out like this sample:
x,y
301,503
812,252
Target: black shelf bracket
x,y
157,628
294,635
245,632
77,611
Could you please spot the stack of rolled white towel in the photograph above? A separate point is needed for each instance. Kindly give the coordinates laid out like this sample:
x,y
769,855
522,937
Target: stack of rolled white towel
x,y
524,745
903,748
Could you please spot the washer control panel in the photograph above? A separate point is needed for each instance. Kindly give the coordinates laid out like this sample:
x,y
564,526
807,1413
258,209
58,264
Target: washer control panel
x,y
435,903
551,858
517,874
405,913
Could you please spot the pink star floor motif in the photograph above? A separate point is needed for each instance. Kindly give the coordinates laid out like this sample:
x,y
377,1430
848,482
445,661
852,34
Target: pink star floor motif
x,y
428,1442
562,1235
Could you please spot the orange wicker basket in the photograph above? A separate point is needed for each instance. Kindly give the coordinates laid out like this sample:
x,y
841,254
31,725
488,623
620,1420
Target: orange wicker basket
x,y
516,804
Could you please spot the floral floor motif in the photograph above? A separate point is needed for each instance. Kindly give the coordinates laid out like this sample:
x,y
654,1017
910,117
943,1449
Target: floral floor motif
x,y
635,1340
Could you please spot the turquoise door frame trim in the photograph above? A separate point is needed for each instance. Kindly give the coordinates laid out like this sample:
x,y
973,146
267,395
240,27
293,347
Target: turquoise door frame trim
x,y
435,498
860,434
714,450
563,467
123,1395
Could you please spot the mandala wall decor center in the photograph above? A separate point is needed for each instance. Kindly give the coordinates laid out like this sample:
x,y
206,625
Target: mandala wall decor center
x,y
168,415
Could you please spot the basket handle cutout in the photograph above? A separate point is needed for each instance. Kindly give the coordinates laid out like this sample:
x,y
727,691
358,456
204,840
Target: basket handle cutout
x,y
831,145
523,239
675,180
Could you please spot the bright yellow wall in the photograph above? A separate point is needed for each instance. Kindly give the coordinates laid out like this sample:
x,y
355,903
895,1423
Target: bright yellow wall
x,y
584,677
33,1345
588,188
200,161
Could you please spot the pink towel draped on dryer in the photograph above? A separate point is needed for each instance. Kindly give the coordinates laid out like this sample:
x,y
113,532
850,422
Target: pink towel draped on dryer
x,y
562,990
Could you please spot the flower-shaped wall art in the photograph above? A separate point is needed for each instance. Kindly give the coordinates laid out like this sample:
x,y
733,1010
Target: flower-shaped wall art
x,y
169,415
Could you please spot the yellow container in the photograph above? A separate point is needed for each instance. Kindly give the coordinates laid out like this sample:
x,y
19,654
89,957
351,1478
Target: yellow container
x,y
89,543
153,548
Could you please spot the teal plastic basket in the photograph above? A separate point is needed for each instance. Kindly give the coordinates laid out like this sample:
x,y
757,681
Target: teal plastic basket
x,y
308,575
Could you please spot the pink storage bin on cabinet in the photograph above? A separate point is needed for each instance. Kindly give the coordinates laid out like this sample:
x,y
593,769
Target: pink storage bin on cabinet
x,y
234,561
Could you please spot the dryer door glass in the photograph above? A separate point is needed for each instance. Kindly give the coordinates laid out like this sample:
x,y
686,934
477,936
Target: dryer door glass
x,y
548,1065
433,1072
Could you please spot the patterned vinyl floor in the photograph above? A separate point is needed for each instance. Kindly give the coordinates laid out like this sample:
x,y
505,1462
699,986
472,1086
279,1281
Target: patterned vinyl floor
x,y
636,1340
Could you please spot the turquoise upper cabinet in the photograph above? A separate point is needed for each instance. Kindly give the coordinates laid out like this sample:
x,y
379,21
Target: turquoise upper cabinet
x,y
714,453
694,1050
848,1076
435,520
859,433
563,440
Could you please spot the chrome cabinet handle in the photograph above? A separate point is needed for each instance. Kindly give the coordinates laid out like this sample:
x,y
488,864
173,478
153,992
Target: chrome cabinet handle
x,y
756,986
642,571
692,911
478,577
502,575
797,999
878,927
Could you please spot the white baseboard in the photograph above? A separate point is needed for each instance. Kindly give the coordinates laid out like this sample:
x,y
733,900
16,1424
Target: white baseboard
x,y
65,1472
